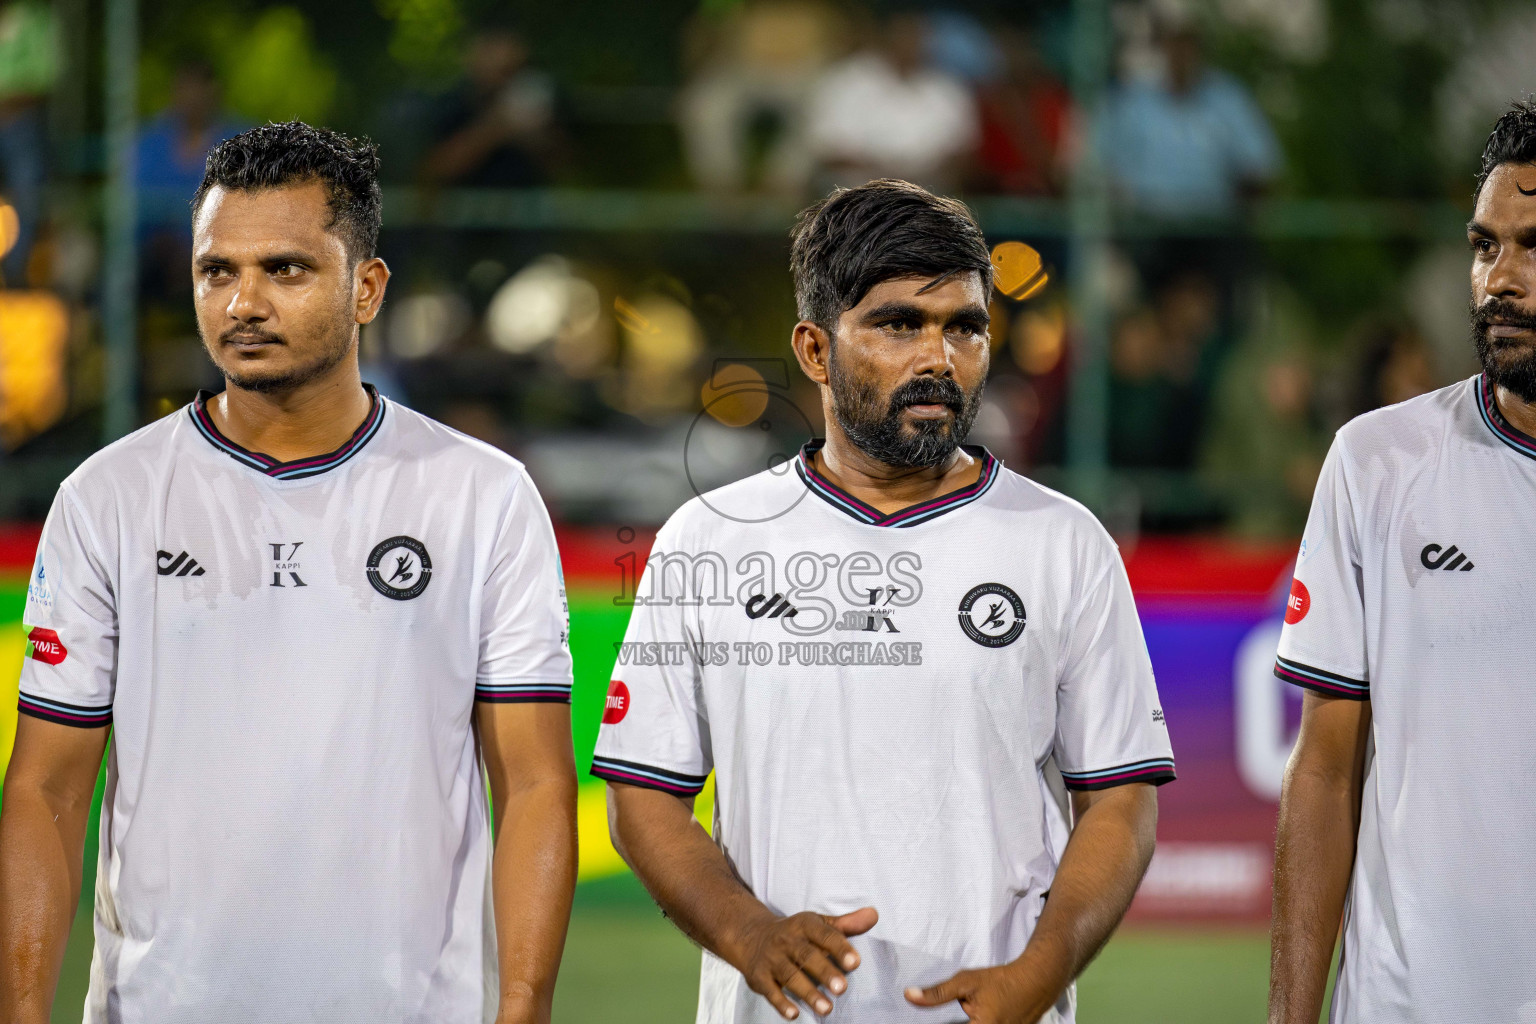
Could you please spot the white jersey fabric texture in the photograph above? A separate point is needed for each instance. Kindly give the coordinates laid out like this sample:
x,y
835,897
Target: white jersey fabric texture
x,y
295,823
1415,589
894,707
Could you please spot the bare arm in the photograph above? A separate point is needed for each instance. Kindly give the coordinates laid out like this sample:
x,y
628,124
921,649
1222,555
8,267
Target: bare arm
x,y
1101,867
47,798
532,775
690,878
1315,851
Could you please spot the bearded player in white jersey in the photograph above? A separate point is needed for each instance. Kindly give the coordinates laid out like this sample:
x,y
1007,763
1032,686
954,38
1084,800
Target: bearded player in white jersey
x,y
919,678
1407,811
308,616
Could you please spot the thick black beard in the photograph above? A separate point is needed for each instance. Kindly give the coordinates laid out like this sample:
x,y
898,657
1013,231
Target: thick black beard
x,y
875,427
1511,367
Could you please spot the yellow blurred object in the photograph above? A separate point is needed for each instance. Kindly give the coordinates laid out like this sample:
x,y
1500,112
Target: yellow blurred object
x,y
596,857
661,342
1039,339
10,227
13,645
736,395
997,330
34,332
1018,271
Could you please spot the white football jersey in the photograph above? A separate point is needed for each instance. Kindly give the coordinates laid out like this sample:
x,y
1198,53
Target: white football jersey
x,y
1415,589
295,824
894,707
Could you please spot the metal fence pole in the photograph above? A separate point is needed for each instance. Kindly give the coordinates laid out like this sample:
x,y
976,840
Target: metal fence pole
x,y
1087,441
119,299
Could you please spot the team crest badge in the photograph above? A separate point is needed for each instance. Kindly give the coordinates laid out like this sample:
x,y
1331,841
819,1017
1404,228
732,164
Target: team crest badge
x,y
992,615
400,568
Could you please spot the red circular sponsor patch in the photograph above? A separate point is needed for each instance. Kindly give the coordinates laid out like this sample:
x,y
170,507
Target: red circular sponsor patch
x,y
1297,604
618,703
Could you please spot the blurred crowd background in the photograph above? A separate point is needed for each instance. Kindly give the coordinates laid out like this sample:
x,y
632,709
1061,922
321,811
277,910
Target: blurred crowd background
x,y
1225,228
1248,215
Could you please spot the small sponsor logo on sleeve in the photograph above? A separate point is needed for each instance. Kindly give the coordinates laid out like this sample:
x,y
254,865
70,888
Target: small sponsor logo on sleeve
x,y
1298,603
40,590
44,645
618,703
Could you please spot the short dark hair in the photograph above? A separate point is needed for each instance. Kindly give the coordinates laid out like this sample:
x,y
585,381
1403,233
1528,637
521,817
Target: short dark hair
x,y
1512,141
292,153
855,238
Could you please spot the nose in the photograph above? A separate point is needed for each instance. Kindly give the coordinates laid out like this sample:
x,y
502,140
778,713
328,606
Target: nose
x,y
248,304
1508,278
934,355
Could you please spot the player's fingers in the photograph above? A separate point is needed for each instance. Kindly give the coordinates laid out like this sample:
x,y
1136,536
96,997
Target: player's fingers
x,y
825,934
770,990
805,990
821,969
856,923
944,992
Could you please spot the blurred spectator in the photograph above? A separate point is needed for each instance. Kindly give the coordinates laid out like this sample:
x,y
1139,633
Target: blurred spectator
x,y
1023,122
498,127
1189,142
174,145
172,149
959,45
1266,443
756,64
886,112
1162,363
29,67
1397,365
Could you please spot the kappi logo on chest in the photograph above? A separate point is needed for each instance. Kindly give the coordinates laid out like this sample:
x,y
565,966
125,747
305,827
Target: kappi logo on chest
x,y
285,562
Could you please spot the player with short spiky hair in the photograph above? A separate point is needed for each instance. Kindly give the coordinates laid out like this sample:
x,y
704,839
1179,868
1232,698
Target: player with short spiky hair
x,y
1406,812
308,616
919,678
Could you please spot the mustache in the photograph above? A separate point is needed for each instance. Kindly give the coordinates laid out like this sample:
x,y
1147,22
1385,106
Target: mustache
x,y
928,391
1501,311
251,332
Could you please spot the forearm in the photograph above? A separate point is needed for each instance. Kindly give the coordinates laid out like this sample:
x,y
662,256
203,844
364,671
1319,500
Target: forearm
x,y
42,842
686,874
1105,859
1314,853
533,877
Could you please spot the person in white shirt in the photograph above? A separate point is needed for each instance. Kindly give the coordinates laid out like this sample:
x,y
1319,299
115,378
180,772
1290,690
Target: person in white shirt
x,y
1406,812
308,616
918,678
886,112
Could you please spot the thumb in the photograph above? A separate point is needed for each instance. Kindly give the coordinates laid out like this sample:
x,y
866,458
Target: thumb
x,y
944,992
856,923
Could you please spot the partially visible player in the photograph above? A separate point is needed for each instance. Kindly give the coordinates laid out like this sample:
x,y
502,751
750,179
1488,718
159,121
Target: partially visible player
x,y
918,677
1407,811
306,614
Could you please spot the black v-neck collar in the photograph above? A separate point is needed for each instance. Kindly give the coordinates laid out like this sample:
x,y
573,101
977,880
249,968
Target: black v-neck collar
x,y
298,469
912,515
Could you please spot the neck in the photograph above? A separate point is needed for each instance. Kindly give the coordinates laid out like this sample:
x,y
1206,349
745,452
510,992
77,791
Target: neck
x,y
1520,413
886,487
312,419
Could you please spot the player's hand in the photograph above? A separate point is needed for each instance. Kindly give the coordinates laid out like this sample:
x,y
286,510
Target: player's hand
x,y
992,995
807,955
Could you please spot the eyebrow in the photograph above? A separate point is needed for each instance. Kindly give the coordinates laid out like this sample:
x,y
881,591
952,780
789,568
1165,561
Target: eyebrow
x,y
292,256
908,311
214,259
1524,235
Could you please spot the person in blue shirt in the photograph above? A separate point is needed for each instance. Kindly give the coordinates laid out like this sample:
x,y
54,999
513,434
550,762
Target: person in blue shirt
x,y
1190,143
172,149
